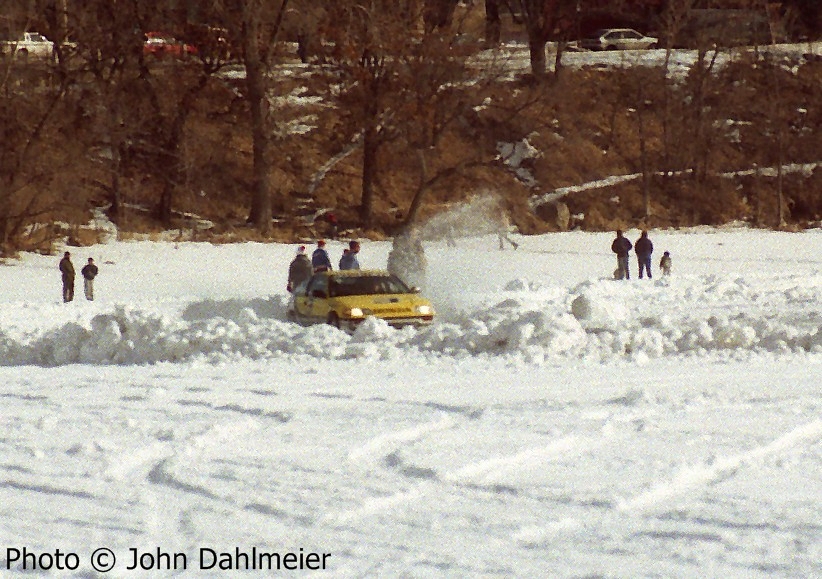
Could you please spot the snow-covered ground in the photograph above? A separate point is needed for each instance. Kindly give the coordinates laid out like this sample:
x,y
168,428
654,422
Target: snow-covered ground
x,y
553,422
514,57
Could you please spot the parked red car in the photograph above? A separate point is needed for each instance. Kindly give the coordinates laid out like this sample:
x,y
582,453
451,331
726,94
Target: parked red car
x,y
160,45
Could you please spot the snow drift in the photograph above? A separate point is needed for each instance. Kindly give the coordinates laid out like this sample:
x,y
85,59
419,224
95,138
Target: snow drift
x,y
603,320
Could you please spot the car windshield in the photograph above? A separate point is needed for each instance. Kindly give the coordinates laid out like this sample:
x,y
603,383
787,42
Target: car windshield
x,y
366,285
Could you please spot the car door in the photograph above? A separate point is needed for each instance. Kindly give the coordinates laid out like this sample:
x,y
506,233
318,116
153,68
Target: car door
x,y
631,40
613,40
302,298
317,306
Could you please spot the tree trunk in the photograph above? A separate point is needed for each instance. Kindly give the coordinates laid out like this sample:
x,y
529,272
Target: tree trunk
x,y
643,160
780,198
493,24
536,49
369,175
173,152
558,58
261,213
438,13
416,202
115,212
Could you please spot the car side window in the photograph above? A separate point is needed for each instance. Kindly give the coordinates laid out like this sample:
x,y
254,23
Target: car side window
x,y
317,283
633,35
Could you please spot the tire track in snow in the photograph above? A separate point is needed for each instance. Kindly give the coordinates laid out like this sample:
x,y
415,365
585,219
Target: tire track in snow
x,y
487,474
689,480
380,446
496,471
699,476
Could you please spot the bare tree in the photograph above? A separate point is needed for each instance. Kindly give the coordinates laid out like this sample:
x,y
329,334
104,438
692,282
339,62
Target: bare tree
x,y
438,13
401,83
255,26
543,20
438,96
493,23
35,111
366,43
110,116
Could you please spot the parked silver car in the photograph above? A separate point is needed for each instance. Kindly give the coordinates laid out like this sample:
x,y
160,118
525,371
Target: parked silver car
x,y
618,39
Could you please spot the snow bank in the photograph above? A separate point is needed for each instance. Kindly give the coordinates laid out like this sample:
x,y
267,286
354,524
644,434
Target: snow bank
x,y
601,320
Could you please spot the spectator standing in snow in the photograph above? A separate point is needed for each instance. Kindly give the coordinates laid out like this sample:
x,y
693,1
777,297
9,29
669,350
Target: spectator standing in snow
x,y
665,263
89,272
349,258
333,225
319,259
299,270
621,246
643,249
67,269
503,232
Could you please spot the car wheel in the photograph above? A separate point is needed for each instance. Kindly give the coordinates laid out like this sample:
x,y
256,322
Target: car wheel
x,y
333,320
653,46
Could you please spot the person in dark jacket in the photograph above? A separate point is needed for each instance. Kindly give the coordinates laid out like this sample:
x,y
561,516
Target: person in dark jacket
x,y
621,246
67,269
665,263
299,270
644,248
333,225
349,258
89,272
319,259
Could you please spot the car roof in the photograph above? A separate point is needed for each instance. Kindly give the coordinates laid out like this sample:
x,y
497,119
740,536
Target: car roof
x,y
357,273
606,30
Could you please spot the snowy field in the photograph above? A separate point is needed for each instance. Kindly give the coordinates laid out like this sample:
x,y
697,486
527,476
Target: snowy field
x,y
553,422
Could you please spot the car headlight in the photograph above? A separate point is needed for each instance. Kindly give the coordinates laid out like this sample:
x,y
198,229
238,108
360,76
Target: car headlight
x,y
424,310
355,313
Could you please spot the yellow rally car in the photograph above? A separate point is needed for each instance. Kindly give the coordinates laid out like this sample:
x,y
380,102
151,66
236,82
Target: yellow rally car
x,y
345,298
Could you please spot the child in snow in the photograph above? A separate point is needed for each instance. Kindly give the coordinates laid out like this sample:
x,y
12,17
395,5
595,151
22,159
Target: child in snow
x,y
665,263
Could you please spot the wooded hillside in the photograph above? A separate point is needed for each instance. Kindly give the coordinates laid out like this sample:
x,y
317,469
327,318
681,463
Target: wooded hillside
x,y
384,113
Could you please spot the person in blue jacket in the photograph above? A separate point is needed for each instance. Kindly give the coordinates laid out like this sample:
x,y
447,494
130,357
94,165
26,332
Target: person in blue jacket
x,y
349,258
621,246
319,259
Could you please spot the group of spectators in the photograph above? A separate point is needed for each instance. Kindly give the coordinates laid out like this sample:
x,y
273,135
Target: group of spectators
x,y
302,267
89,272
644,248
